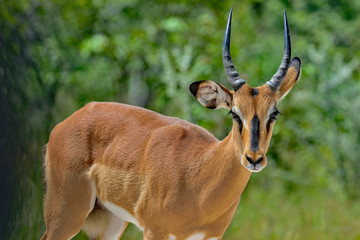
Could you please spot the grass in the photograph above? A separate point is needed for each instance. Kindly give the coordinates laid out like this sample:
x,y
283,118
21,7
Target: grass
x,y
271,214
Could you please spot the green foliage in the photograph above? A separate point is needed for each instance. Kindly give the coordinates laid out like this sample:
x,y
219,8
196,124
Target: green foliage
x,y
58,55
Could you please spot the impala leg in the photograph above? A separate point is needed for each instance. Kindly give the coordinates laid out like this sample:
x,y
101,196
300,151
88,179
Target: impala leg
x,y
66,205
152,235
115,229
103,225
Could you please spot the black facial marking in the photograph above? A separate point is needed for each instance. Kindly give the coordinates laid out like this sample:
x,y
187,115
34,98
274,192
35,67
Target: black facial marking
x,y
268,126
254,136
254,92
238,120
272,118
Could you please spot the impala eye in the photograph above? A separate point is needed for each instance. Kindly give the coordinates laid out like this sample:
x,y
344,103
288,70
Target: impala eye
x,y
237,119
273,116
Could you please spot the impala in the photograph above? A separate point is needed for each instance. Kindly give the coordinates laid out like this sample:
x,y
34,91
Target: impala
x,y
109,164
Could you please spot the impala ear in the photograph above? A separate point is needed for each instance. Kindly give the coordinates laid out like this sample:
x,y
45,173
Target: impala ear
x,y
291,77
211,94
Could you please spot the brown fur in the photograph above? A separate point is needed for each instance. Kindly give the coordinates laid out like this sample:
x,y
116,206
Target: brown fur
x,y
174,177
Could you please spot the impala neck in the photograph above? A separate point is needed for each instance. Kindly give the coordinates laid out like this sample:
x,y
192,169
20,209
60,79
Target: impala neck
x,y
231,145
229,168
225,178
233,140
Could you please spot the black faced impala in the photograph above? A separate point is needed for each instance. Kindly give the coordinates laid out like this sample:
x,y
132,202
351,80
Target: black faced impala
x,y
109,164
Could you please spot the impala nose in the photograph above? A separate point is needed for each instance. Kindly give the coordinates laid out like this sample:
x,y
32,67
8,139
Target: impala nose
x,y
254,161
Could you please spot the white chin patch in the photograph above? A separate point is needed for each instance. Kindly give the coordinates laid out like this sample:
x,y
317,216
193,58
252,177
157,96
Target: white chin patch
x,y
254,170
251,168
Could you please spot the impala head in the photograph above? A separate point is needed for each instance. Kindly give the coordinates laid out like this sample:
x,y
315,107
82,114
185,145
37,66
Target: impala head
x,y
253,109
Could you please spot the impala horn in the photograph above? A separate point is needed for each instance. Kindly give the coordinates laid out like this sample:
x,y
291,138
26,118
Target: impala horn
x,y
276,81
235,81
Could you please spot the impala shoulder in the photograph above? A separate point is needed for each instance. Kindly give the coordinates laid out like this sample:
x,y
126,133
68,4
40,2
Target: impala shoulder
x,y
170,133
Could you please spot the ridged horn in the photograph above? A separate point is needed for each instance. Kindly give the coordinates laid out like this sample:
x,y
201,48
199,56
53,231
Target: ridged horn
x,y
235,81
276,81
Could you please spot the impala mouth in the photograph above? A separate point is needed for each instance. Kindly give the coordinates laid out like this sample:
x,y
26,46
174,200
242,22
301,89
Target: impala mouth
x,y
254,168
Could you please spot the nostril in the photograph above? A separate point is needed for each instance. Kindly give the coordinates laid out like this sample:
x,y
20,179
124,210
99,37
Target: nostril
x,y
258,160
250,159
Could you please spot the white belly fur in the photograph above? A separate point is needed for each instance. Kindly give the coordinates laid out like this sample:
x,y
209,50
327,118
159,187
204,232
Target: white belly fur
x,y
196,236
122,214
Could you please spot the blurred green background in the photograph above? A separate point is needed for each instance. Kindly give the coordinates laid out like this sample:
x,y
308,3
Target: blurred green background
x,y
57,55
